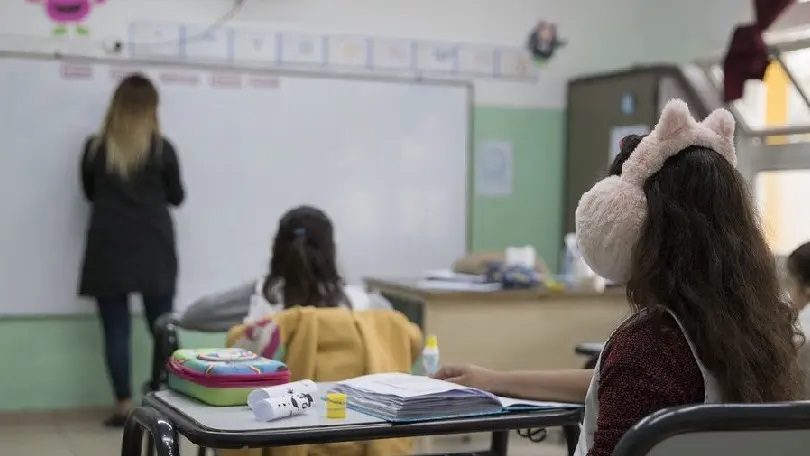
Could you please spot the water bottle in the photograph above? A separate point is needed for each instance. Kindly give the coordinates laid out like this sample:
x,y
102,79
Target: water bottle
x,y
570,255
430,356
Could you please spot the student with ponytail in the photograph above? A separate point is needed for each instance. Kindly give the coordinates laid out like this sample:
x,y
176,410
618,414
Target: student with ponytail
x,y
303,271
303,263
304,316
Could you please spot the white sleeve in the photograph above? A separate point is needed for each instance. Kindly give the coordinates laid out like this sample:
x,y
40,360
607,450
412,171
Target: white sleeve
x,y
361,300
259,307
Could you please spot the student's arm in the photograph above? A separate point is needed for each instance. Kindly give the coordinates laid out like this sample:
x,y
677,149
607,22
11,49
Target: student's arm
x,y
553,385
172,180
86,171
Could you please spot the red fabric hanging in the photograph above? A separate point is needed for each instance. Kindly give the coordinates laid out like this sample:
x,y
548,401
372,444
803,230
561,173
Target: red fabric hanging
x,y
747,56
767,11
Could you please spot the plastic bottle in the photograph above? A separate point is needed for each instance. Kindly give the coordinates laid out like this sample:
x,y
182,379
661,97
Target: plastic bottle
x,y
430,355
569,259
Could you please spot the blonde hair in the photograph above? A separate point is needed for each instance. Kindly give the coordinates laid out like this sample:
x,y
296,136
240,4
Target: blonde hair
x,y
130,125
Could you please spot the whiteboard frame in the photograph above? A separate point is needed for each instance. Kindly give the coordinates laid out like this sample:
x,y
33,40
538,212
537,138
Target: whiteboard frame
x,y
274,71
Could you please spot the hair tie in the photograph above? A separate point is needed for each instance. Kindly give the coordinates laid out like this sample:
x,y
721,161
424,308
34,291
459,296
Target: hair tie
x,y
299,232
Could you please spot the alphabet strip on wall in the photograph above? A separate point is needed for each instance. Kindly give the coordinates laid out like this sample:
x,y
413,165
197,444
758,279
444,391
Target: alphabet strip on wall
x,y
330,53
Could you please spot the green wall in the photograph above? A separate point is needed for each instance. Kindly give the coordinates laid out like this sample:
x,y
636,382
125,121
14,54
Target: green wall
x,y
532,214
51,363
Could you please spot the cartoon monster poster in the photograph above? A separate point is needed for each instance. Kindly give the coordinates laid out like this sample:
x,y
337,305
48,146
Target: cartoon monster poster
x,y
68,13
544,40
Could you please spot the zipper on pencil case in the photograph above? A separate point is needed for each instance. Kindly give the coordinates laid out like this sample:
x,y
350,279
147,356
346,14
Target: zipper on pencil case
x,y
189,374
214,382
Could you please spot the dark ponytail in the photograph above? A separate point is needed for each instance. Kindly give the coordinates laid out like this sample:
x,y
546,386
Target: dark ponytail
x,y
627,145
303,267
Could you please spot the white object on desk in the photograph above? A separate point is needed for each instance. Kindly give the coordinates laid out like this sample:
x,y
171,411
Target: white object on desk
x,y
449,275
300,387
285,406
520,256
452,285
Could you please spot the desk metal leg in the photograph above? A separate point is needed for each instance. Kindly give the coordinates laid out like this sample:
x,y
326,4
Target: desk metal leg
x,y
500,443
163,435
571,438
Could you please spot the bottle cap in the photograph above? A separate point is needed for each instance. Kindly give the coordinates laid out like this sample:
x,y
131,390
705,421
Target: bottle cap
x,y
335,405
431,342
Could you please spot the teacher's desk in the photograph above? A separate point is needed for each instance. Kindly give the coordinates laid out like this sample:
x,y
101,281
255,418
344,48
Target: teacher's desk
x,y
508,329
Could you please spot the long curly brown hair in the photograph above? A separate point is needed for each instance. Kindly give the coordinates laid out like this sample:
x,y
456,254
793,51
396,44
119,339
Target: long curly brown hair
x,y
702,255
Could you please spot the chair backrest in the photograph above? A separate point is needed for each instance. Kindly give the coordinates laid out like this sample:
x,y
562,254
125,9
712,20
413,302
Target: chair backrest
x,y
804,361
710,430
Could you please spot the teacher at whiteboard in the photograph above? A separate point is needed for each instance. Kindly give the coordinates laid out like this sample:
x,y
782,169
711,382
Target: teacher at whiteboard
x,y
131,176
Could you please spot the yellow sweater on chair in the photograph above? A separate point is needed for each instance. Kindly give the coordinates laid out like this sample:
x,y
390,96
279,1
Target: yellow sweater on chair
x,y
333,344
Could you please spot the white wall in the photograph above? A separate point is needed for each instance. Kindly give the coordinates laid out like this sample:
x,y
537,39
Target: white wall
x,y
684,30
600,33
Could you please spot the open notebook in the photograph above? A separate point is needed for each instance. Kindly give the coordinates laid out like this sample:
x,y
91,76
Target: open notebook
x,y
408,398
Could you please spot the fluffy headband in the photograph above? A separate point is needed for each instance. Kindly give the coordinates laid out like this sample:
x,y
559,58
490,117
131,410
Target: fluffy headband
x,y
609,216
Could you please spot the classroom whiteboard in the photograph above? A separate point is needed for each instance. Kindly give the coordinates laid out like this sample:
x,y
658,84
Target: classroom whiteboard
x,y
388,161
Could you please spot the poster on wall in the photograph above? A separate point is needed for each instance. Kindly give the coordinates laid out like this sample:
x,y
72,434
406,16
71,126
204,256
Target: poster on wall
x,y
544,41
68,13
617,133
493,168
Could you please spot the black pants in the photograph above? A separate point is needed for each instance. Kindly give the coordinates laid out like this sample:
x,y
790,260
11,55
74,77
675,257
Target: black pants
x,y
116,323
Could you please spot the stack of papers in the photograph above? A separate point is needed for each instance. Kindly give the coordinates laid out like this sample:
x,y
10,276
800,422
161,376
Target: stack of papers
x,y
447,275
447,280
405,398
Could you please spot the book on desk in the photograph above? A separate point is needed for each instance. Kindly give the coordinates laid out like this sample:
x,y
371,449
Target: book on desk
x,y
403,398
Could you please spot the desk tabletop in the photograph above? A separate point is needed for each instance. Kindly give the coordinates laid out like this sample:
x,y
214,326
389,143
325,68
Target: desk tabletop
x,y
590,348
410,287
240,419
235,427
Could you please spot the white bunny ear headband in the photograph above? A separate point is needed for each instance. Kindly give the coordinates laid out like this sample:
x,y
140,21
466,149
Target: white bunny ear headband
x,y
609,216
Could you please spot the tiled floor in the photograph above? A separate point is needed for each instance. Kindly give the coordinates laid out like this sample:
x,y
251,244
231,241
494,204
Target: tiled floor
x,y
84,436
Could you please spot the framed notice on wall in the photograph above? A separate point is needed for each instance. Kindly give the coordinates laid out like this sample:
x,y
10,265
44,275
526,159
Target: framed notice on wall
x,y
493,169
617,133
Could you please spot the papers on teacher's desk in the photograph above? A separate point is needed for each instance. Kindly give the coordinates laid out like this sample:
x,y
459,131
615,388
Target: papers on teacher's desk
x,y
447,280
403,398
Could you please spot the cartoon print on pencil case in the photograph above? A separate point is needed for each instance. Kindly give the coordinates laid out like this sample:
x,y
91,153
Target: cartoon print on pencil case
x,y
68,12
301,401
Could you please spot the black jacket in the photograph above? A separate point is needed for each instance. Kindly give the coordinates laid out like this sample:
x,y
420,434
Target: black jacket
x,y
130,239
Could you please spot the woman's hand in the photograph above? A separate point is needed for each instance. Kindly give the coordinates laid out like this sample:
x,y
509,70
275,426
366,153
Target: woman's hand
x,y
470,376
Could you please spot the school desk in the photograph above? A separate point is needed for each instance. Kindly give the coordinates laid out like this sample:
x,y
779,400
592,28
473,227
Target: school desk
x,y
590,350
525,329
166,415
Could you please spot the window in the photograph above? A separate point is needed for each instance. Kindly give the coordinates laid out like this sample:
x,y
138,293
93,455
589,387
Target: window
x,y
782,197
752,107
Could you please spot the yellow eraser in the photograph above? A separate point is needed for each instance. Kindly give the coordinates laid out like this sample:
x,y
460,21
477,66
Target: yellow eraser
x,y
335,405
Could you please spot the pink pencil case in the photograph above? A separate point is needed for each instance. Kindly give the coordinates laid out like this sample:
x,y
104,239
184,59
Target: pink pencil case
x,y
223,376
